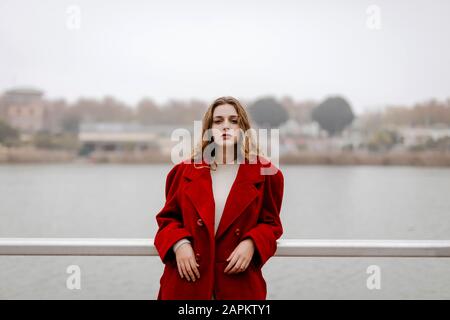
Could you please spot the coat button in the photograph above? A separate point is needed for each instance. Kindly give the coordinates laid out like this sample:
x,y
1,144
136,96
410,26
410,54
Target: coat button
x,y
197,256
237,232
200,222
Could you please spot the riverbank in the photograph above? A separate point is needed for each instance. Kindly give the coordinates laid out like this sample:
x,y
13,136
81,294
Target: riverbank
x,y
29,155
405,158
34,155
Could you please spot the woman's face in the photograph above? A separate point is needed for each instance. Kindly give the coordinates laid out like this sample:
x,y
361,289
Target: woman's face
x,y
225,120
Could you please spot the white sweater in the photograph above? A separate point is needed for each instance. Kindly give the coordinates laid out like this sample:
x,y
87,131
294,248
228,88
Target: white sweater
x,y
222,180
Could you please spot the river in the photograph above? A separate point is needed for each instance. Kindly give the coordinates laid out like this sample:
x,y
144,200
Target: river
x,y
320,202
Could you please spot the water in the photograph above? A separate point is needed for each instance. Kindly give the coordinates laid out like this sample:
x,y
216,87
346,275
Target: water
x,y
115,201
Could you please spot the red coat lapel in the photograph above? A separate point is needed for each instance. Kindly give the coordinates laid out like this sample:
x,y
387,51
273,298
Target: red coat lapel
x,y
199,191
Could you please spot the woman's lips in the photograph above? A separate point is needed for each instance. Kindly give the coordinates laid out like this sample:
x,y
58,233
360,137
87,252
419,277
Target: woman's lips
x,y
226,136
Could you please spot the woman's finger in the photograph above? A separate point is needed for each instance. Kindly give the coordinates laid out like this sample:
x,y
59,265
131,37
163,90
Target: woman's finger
x,y
237,266
194,266
231,255
189,270
186,274
231,263
243,266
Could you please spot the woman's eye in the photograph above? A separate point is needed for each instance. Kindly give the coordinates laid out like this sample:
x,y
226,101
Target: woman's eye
x,y
232,121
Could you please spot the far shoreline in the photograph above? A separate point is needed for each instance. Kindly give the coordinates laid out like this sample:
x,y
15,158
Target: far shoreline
x,y
32,155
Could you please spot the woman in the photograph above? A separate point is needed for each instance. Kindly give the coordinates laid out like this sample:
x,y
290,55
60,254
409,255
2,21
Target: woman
x,y
221,218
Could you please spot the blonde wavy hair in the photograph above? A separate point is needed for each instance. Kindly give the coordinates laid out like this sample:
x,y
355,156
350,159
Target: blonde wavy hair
x,y
249,148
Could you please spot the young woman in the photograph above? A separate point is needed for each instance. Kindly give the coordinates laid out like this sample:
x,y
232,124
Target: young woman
x,y
221,218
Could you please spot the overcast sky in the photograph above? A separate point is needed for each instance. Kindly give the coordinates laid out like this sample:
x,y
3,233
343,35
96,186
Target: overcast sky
x,y
204,49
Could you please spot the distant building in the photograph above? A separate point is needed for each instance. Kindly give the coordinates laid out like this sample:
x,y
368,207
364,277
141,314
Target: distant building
x,y
413,136
292,128
312,129
26,110
125,136
22,96
288,146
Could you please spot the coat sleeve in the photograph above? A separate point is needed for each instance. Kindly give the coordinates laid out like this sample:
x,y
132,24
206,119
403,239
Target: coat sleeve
x,y
269,227
169,219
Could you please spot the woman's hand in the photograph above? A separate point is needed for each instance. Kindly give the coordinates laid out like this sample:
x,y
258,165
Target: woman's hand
x,y
241,257
187,265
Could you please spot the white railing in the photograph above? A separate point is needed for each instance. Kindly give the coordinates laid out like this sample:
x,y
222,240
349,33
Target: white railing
x,y
286,247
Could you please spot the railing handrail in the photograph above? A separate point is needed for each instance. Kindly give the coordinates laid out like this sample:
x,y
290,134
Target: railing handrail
x,y
286,247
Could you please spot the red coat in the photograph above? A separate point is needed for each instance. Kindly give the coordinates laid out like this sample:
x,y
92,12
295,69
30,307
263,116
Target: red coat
x,y
252,210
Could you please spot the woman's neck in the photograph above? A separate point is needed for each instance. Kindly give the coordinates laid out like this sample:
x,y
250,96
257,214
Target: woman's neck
x,y
225,155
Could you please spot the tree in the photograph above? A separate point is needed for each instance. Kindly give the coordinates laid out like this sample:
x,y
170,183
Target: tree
x,y
8,134
268,113
148,112
383,140
333,115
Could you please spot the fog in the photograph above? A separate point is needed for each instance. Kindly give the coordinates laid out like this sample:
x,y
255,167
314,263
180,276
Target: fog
x,y
394,53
